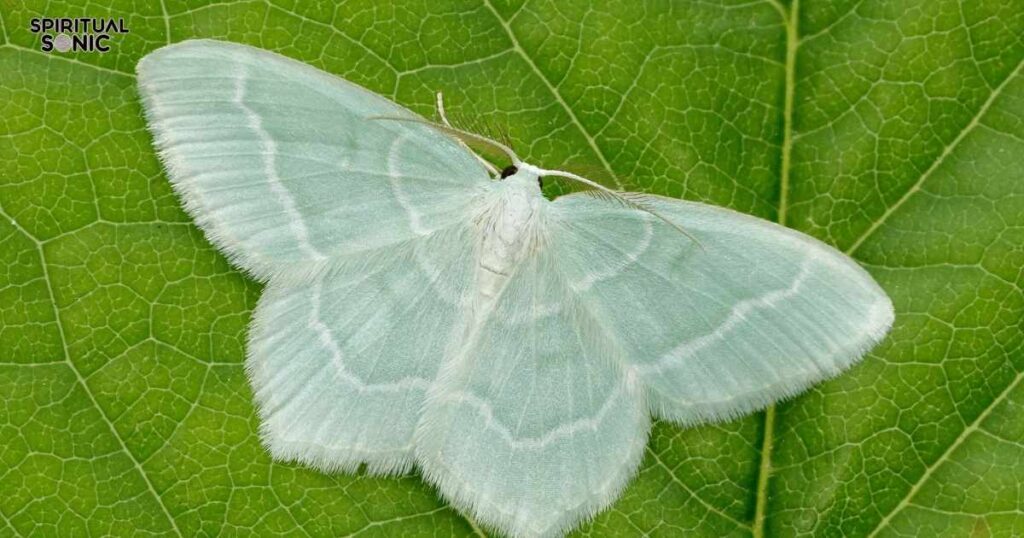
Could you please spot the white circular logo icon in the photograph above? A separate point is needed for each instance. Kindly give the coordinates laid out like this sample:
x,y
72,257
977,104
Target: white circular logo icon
x,y
62,43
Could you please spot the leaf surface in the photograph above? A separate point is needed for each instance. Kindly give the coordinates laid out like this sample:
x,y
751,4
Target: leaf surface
x,y
893,130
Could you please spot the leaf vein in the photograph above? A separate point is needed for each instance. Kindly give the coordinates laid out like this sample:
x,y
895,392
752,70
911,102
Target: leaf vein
x,y
973,427
554,93
946,152
88,392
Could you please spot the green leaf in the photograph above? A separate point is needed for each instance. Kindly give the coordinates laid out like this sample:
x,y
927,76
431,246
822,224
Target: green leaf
x,y
892,129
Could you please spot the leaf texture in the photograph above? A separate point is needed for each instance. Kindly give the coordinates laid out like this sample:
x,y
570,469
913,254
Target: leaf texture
x,y
893,130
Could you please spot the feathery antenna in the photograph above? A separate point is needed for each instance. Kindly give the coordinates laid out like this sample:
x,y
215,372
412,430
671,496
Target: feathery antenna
x,y
633,200
460,134
444,119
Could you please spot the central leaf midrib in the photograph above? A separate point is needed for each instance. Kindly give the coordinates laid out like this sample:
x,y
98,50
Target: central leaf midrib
x,y
792,44
790,21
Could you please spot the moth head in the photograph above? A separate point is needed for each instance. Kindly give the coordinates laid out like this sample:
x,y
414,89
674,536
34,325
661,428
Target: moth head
x,y
512,170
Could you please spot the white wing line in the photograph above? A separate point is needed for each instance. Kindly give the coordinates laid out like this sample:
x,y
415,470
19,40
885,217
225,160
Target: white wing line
x,y
269,155
327,342
568,429
393,176
736,316
630,258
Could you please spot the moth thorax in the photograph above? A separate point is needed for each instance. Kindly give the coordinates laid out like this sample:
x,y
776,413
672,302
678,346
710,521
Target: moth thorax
x,y
508,229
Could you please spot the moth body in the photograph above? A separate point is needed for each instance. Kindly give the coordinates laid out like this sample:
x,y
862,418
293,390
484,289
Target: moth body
x,y
508,228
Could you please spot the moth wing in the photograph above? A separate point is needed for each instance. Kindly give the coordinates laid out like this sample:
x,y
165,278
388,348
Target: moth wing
x,y
340,365
757,313
534,423
282,165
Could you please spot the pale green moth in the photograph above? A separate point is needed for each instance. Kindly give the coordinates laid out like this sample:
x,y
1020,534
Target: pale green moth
x,y
420,313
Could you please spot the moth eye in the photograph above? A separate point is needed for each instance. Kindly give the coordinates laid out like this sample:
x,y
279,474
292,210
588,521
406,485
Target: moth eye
x,y
508,171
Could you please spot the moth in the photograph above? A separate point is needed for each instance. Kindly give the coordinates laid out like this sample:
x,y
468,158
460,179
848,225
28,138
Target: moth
x,y
423,311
